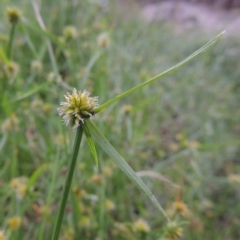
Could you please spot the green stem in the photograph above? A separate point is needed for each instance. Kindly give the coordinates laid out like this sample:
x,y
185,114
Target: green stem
x,y
9,49
102,210
68,182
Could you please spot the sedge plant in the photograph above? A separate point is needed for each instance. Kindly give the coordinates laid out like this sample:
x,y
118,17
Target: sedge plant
x,y
77,111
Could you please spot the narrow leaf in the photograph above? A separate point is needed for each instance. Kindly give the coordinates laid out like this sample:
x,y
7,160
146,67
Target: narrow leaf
x,y
163,74
3,56
32,91
90,141
122,164
36,174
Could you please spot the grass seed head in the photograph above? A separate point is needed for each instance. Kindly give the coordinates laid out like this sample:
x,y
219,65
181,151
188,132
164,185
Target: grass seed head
x,y
70,32
141,226
103,40
109,205
78,107
11,69
14,222
174,232
36,66
13,14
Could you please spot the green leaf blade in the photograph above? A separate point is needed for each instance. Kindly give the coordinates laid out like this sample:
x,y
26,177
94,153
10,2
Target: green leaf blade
x,y
123,165
90,141
163,74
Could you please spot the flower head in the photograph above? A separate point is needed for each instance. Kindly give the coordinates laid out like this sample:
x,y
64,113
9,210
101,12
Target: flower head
x,y
103,40
109,205
70,32
174,232
14,222
11,69
13,14
19,185
141,226
78,107
36,66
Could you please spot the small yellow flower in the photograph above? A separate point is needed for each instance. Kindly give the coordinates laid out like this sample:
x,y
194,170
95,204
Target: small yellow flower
x,y
181,208
97,178
194,144
174,232
126,109
70,32
85,222
78,107
107,171
85,210
19,185
121,227
14,15
52,77
173,147
234,178
36,66
2,235
68,234
14,222
10,124
11,69
80,193
103,40
141,226
109,205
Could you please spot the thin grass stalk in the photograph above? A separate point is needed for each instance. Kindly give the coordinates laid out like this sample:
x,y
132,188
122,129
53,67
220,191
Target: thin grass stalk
x,y
68,182
10,43
101,204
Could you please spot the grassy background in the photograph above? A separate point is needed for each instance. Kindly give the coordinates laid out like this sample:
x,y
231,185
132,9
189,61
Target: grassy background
x,y
184,128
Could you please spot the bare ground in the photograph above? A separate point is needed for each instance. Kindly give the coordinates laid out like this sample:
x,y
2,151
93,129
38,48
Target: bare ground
x,y
187,16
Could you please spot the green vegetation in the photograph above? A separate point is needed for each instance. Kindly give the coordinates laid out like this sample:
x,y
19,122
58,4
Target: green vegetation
x,y
180,134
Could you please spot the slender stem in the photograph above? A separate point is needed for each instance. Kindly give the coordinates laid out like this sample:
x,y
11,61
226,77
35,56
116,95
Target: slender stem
x,y
68,182
9,49
102,220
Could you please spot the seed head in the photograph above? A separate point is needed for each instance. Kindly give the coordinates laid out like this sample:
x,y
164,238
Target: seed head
x,y
11,69
234,178
19,185
141,226
103,40
36,66
109,205
14,15
78,107
70,32
14,222
174,232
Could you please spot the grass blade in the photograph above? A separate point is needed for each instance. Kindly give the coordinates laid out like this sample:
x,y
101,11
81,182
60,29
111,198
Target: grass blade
x,y
90,141
36,174
163,74
3,56
32,91
122,164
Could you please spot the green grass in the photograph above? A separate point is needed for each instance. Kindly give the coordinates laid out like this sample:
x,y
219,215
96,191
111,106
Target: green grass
x,y
185,128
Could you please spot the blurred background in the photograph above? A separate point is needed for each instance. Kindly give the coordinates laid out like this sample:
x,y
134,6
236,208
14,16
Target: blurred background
x,y
180,134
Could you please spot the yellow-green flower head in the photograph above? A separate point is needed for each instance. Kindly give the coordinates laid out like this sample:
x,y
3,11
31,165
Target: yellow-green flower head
x,y
141,226
13,14
103,40
70,32
78,107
